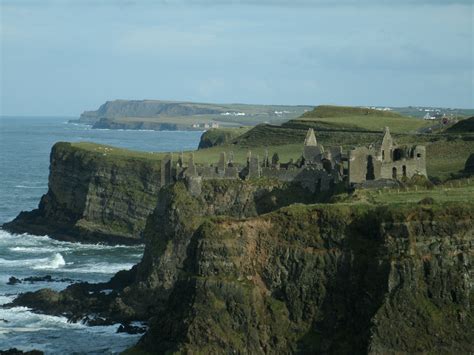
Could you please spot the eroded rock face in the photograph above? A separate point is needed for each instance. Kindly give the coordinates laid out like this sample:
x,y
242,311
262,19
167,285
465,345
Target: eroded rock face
x,y
324,278
93,198
221,275
177,217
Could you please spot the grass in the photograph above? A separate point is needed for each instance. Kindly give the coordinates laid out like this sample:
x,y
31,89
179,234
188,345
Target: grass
x,y
184,114
454,191
397,124
220,136
463,126
444,157
356,118
344,111
344,126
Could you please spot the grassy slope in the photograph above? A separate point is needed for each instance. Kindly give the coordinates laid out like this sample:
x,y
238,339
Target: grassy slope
x,y
255,114
446,153
452,191
343,117
464,126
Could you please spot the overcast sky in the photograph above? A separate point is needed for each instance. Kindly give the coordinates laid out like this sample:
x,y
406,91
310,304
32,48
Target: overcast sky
x,y
65,56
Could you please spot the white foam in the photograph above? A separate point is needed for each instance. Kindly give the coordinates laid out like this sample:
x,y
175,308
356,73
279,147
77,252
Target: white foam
x,y
25,240
37,250
55,262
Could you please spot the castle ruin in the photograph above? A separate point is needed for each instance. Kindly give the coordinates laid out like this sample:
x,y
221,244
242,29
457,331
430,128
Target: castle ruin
x,y
387,161
318,169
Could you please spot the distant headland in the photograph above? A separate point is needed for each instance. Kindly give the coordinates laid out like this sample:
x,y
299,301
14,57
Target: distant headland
x,y
163,115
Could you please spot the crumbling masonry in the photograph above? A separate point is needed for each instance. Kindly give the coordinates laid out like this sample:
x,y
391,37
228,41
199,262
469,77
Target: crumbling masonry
x,y
317,169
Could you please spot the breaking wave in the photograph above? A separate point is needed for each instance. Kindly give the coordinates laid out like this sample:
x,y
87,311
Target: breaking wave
x,y
54,262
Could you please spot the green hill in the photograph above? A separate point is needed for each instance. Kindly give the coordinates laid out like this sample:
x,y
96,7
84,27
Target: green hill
x,y
324,111
464,126
357,118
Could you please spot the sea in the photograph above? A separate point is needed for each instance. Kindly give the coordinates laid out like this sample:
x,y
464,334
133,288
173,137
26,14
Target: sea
x,y
25,144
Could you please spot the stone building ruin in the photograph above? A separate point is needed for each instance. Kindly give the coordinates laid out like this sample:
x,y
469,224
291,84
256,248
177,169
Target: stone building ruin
x,y
386,161
318,169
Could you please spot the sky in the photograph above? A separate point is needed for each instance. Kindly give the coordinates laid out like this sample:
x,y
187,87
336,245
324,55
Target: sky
x,y
61,57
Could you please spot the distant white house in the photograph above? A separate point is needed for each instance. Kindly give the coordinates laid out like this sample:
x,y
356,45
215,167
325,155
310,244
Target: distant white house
x,y
233,114
428,116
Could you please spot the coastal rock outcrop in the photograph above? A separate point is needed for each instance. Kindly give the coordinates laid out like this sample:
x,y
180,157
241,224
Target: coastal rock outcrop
x,y
231,270
93,197
324,279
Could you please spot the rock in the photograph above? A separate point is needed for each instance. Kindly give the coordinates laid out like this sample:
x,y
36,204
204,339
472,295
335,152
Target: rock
x,y
47,278
233,271
15,351
90,200
32,279
13,281
131,329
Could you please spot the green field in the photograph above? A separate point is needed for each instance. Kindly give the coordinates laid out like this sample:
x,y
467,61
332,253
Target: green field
x,y
453,191
398,124
446,153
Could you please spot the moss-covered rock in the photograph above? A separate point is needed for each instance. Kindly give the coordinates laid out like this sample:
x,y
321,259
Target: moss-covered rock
x,y
93,197
318,279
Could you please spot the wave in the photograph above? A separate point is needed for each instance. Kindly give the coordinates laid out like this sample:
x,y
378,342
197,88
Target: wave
x,y
37,250
25,239
54,262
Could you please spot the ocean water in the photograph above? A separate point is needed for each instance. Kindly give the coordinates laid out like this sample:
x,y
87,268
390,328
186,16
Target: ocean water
x,y
25,144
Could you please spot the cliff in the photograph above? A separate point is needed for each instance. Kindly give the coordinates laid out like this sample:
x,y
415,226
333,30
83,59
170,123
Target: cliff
x,y
232,270
148,108
318,279
93,196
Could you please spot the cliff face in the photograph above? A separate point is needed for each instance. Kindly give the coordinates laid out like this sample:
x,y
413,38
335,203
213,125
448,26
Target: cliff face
x,y
309,279
234,270
109,123
170,229
148,108
230,270
93,198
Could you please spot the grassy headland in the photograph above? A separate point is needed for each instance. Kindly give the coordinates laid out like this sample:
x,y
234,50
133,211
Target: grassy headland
x,y
345,126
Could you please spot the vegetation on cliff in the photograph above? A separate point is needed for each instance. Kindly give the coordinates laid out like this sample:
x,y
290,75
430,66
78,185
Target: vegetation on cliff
x,y
166,115
221,274
262,266
97,194
463,126
220,136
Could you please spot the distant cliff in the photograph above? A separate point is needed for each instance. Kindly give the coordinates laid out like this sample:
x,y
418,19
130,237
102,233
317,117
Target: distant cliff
x,y
93,197
148,108
169,115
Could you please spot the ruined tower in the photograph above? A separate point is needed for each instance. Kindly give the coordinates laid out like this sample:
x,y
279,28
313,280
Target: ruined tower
x,y
312,152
